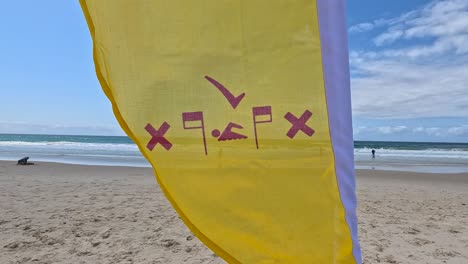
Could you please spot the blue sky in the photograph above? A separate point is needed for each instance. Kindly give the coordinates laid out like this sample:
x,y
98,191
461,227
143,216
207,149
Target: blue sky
x,y
409,68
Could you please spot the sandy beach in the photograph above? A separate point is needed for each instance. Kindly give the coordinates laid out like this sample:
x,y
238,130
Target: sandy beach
x,y
57,213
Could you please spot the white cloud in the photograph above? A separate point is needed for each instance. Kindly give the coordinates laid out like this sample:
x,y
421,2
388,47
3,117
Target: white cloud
x,y
419,130
441,132
392,130
434,131
363,27
388,37
383,130
415,80
446,22
450,44
458,131
384,88
367,26
441,20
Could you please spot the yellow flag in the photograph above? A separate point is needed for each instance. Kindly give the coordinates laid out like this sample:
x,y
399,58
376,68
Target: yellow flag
x,y
243,109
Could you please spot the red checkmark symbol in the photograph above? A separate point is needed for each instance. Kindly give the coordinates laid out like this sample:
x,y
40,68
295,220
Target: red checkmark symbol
x,y
233,100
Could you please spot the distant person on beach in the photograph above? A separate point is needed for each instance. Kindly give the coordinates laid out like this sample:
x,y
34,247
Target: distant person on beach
x,y
373,153
24,161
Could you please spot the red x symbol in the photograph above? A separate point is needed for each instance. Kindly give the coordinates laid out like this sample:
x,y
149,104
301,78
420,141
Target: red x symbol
x,y
299,124
158,136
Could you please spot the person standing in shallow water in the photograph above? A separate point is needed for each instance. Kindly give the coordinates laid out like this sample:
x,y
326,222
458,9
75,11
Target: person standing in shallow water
x,y
373,153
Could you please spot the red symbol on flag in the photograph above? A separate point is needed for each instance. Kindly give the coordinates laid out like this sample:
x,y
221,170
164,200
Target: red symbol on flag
x,y
233,100
260,111
195,116
158,136
228,134
299,124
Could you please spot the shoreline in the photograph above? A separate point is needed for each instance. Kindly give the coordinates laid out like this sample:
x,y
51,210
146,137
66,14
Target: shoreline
x,y
428,157
359,165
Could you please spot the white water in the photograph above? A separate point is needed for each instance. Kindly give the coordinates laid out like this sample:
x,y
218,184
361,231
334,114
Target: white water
x,y
127,154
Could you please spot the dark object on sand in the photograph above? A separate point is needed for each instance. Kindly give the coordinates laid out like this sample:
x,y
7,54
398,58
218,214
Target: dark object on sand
x,y
24,161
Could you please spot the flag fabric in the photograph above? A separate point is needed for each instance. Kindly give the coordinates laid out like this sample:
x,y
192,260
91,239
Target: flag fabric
x,y
242,107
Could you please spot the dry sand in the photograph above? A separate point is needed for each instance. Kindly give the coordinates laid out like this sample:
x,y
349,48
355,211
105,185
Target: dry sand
x,y
55,213
413,217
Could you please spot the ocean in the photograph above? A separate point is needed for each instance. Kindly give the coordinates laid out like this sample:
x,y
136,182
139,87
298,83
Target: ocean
x,y
121,151
87,150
